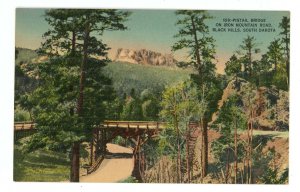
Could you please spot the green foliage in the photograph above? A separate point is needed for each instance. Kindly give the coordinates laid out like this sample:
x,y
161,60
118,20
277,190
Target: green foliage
x,y
271,174
233,66
272,68
126,76
23,82
120,141
280,78
150,109
248,49
21,115
152,151
180,104
275,53
285,37
41,165
193,35
72,92
212,92
141,86
132,109
129,180
50,108
114,109
167,143
24,56
231,116
150,105
78,30
143,107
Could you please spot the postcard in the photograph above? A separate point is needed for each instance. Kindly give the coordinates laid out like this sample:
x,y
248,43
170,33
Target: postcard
x,y
151,96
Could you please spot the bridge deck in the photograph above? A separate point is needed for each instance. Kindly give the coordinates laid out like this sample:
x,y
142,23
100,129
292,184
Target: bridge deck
x,y
134,124
21,126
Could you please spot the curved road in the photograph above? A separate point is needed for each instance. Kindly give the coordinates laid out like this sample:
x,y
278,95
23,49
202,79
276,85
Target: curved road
x,y
116,166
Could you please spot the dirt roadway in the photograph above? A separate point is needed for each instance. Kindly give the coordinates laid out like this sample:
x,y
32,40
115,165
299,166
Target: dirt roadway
x,y
117,166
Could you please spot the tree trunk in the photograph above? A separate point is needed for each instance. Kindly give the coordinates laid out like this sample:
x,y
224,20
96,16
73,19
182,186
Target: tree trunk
x,y
227,165
74,177
248,154
187,153
82,72
235,153
249,147
197,51
204,151
250,62
73,42
251,141
76,145
75,150
287,65
92,151
178,157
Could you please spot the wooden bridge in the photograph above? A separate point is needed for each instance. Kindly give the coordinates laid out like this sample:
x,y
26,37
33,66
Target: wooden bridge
x,y
23,129
149,125
138,132
24,125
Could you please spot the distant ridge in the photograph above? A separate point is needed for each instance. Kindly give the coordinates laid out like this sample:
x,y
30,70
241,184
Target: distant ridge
x,y
145,57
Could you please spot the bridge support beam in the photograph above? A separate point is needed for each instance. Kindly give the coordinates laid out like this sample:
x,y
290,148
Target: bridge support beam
x,y
97,144
138,170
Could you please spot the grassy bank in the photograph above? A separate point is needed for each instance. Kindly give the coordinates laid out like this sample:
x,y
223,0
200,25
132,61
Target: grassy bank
x,y
40,166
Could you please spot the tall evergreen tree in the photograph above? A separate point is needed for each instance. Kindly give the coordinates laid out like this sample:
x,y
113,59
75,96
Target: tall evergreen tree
x,y
231,118
275,54
180,104
69,100
247,50
264,71
193,35
233,67
285,33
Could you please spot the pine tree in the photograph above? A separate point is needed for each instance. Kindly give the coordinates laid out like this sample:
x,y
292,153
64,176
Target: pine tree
x,y
233,67
285,33
248,49
275,53
231,118
194,36
69,100
180,105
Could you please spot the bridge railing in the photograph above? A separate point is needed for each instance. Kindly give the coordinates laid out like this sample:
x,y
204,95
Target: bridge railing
x,y
134,124
27,125
24,125
95,165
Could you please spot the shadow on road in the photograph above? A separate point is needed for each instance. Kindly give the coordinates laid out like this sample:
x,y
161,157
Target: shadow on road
x,y
118,155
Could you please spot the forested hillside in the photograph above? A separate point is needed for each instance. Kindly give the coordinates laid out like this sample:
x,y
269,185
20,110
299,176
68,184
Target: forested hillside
x,y
127,76
124,76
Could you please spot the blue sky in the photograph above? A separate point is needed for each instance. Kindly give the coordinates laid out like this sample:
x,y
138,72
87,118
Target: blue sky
x,y
154,30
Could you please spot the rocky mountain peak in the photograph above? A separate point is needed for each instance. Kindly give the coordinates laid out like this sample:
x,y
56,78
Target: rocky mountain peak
x,y
145,57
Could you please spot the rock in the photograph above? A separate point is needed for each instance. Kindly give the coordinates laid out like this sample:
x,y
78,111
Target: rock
x,y
271,106
145,57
